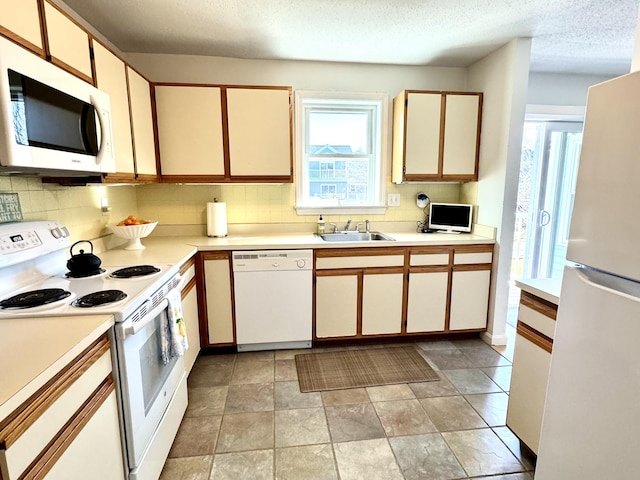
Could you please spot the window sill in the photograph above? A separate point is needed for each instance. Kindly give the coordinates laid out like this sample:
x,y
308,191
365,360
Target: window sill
x,y
340,210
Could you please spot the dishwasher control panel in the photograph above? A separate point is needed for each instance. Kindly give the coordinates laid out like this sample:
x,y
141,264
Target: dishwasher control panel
x,y
272,260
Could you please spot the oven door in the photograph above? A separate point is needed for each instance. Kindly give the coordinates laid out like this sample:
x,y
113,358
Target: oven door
x,y
147,384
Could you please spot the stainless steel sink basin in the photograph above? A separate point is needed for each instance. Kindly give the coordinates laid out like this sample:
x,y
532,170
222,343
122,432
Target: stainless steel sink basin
x,y
354,237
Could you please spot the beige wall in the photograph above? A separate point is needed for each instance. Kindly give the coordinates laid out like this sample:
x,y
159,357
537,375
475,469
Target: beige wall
x,y
185,204
502,76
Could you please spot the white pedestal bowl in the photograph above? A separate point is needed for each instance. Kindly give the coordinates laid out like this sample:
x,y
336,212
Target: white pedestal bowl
x,y
133,233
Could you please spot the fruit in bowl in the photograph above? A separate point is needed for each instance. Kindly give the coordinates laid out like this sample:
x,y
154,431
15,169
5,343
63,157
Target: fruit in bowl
x,y
133,229
133,220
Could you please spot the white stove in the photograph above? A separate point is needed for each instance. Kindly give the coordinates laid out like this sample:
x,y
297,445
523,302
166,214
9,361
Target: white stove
x,y
33,257
150,375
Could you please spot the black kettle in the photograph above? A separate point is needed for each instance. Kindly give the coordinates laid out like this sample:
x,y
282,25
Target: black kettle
x,y
83,263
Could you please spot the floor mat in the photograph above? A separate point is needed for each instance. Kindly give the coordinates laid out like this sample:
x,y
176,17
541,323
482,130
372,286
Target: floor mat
x,y
361,368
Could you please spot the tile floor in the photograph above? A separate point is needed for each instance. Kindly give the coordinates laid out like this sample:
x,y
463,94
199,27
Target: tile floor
x,y
248,420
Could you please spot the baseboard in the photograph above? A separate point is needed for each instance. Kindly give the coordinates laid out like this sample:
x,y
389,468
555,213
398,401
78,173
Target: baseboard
x,y
494,339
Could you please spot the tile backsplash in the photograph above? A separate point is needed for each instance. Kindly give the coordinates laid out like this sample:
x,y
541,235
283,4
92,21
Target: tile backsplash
x,y
79,207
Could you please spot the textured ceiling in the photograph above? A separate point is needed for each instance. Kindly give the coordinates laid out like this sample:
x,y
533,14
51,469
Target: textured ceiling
x,y
574,36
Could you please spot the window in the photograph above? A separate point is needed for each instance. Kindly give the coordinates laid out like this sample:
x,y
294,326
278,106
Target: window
x,y
341,138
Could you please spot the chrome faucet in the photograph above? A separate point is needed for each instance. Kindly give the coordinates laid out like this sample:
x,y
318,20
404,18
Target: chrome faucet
x,y
346,227
366,226
335,227
358,225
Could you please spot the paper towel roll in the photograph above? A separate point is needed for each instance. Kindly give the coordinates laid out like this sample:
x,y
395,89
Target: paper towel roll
x,y
217,219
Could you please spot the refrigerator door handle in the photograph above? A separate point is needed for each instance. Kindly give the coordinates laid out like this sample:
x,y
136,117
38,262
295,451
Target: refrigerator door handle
x,y
611,283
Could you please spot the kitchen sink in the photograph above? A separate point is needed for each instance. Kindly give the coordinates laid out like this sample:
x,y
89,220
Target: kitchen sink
x,y
354,237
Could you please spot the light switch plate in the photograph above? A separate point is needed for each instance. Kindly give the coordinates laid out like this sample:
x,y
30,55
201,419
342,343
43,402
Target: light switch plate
x,y
393,200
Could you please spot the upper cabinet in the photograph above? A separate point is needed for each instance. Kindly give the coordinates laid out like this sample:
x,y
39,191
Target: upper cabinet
x,y
190,142
436,136
23,24
212,133
259,125
111,77
144,148
68,43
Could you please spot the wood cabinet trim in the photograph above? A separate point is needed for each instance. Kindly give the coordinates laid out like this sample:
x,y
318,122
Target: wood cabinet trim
x,y
225,134
474,248
443,110
436,249
428,269
546,308
32,409
43,464
15,38
359,252
472,267
56,61
191,284
534,336
187,265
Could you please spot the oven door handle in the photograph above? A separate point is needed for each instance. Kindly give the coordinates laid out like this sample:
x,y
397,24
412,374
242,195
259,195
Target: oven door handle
x,y
146,319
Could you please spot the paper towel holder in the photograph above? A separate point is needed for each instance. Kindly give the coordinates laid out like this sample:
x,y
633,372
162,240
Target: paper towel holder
x,y
216,219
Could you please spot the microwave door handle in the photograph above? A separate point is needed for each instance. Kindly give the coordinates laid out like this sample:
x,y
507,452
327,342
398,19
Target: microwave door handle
x,y
103,139
149,317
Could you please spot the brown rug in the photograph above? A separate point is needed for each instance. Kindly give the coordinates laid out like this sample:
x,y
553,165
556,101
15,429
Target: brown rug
x,y
361,368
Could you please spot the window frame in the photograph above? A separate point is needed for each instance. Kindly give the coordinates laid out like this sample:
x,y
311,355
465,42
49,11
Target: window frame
x,y
379,103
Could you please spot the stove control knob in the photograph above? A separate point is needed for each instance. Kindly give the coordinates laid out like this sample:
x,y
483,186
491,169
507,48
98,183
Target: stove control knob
x,y
56,233
301,263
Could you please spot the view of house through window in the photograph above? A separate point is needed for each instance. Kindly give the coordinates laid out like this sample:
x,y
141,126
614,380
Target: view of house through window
x,y
339,150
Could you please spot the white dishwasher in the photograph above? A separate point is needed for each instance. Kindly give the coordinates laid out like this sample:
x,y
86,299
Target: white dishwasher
x,y
273,290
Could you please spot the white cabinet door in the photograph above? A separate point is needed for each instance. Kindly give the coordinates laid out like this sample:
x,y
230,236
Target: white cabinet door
x,y
23,23
68,42
191,320
111,77
427,302
96,452
190,130
217,276
142,123
422,147
336,306
259,131
382,303
528,391
469,299
460,150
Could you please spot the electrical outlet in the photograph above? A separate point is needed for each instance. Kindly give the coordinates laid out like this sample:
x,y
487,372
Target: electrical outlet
x,y
393,200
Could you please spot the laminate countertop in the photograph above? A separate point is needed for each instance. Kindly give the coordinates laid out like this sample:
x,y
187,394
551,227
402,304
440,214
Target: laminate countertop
x,y
34,350
545,288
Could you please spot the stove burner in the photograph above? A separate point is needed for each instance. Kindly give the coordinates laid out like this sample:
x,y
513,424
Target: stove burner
x,y
35,298
92,273
97,299
136,271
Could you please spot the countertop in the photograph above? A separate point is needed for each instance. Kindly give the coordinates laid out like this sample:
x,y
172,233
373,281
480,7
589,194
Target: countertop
x,y
34,350
41,347
545,288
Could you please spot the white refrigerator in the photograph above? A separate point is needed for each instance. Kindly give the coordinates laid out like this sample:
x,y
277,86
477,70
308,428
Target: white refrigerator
x,y
591,422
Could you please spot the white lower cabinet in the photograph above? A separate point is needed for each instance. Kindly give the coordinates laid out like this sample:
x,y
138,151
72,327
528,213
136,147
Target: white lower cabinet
x,y
382,303
427,301
336,306
218,295
530,371
190,314
70,428
96,452
469,299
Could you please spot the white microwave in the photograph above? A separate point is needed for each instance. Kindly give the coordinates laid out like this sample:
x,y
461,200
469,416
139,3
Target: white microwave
x,y
51,122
